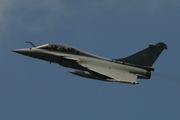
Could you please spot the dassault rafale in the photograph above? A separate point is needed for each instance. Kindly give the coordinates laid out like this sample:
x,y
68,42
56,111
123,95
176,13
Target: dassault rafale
x,y
123,70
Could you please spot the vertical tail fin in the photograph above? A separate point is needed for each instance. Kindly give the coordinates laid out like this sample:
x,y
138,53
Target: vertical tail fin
x,y
145,57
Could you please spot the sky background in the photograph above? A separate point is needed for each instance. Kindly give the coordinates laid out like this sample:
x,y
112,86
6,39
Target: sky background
x,y
32,89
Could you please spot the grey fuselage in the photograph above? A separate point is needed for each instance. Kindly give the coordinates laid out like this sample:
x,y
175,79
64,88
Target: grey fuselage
x,y
58,53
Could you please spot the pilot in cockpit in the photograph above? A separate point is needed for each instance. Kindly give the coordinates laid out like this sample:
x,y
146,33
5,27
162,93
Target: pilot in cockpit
x,y
55,47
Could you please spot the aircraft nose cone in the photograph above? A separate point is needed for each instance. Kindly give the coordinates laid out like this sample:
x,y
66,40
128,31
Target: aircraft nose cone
x,y
25,51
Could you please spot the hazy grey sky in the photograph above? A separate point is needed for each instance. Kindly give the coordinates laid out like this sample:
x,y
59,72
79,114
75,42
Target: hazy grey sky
x,y
31,89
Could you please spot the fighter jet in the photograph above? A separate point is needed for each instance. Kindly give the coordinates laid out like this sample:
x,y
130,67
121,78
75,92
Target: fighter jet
x,y
123,70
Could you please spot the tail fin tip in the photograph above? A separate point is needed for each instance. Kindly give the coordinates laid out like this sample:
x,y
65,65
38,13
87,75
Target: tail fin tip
x,y
160,45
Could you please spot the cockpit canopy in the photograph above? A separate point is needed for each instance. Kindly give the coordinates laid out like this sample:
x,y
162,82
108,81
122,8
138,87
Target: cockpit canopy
x,y
65,49
58,47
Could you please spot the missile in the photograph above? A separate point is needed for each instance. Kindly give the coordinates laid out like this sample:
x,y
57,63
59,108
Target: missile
x,y
88,74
